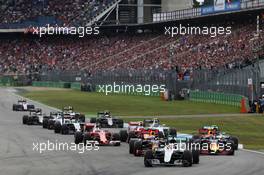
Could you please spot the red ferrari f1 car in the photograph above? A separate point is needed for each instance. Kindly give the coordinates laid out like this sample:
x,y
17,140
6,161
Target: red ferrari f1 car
x,y
91,134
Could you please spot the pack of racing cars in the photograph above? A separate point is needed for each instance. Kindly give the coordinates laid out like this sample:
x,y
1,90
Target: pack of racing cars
x,y
157,143
215,141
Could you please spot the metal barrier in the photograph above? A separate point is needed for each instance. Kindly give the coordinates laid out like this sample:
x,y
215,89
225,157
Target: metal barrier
x,y
232,81
15,80
76,86
7,81
218,98
51,84
229,81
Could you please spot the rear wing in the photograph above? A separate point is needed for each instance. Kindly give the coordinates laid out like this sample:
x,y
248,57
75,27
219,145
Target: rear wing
x,y
67,109
55,113
148,122
89,127
21,101
102,114
149,131
139,123
34,109
204,131
99,114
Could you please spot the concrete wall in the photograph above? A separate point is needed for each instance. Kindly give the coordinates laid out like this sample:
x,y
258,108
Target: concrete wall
x,y
172,5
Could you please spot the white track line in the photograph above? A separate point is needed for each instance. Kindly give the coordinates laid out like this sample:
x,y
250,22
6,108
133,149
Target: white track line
x,y
252,151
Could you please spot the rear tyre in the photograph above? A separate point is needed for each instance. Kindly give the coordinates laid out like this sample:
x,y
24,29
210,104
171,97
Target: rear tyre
x,y
131,146
131,135
137,148
86,138
123,135
116,137
51,124
231,148
196,156
78,137
148,158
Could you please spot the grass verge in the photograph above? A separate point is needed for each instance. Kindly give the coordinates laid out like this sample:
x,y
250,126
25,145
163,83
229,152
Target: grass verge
x,y
91,103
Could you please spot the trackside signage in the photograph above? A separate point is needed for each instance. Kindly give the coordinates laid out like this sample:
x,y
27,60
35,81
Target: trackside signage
x,y
221,6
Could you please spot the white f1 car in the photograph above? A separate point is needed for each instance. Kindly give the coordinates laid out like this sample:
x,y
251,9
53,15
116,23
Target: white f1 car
x,y
22,105
69,122
175,151
35,117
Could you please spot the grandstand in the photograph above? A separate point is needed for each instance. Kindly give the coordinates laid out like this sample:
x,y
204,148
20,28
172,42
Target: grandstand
x,y
125,42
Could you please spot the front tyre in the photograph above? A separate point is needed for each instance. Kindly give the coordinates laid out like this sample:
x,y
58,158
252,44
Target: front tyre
x,y
25,119
57,128
45,123
187,158
78,137
148,158
235,140
64,129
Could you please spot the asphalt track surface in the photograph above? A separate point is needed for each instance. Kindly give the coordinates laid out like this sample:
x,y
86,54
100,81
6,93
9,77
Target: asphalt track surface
x,y
17,156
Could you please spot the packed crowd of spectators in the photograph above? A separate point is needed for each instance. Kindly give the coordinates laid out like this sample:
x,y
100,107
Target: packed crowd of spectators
x,y
70,12
129,51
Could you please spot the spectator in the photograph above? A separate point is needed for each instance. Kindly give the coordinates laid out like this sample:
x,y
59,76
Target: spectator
x,y
28,54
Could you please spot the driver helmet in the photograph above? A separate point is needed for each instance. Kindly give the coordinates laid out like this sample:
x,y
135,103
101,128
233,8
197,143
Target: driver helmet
x,y
106,113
